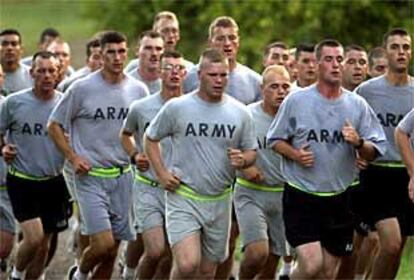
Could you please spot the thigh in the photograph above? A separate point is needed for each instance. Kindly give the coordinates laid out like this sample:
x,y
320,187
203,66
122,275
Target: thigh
x,y
149,207
250,215
216,229
7,222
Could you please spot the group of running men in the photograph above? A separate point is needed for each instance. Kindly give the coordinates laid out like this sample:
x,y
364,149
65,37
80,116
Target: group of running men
x,y
166,155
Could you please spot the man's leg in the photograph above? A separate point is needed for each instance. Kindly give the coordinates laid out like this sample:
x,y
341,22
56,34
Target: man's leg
x,y
6,246
254,258
388,259
186,257
105,268
309,261
330,265
38,263
367,254
32,238
134,252
269,269
348,263
207,269
154,248
224,269
101,248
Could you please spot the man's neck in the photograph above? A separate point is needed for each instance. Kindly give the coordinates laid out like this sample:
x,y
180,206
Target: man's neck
x,y
271,111
329,91
43,96
397,79
112,78
232,64
167,94
148,75
10,66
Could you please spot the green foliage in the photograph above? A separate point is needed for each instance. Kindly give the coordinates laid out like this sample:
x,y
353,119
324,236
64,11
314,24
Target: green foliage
x,y
362,22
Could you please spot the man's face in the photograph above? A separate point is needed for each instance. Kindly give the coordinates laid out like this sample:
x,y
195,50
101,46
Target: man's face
x,y
170,31
94,60
275,88
45,72
306,65
11,49
227,40
213,79
114,56
149,53
172,72
277,56
398,50
379,67
62,51
330,65
355,68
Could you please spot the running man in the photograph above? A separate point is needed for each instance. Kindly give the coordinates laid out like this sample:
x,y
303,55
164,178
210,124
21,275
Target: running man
x,y
212,136
149,205
258,191
392,97
318,131
92,111
31,183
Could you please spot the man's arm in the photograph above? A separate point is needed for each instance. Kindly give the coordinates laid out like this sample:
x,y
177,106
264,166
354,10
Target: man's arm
x,y
303,155
137,158
403,143
165,177
57,134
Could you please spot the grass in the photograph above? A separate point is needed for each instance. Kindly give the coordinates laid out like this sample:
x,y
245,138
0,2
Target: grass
x,y
30,17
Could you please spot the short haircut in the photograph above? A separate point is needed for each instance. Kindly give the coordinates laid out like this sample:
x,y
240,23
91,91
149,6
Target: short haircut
x,y
278,44
92,43
275,70
171,54
150,34
374,53
11,31
213,56
43,54
48,32
396,31
164,15
109,37
303,47
354,47
326,43
224,21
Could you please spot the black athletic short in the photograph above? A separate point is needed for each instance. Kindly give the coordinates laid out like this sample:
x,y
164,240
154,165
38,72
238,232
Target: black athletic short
x,y
387,197
310,218
47,200
359,198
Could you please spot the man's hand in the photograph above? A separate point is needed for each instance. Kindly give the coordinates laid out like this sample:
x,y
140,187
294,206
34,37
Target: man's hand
x,y
253,174
361,163
142,162
305,156
9,152
350,134
169,181
80,165
236,158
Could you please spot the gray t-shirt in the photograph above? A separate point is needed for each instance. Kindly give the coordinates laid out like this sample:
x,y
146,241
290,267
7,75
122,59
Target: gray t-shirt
x,y
306,117
267,160
139,117
153,86
18,80
407,125
23,119
201,132
390,104
134,63
64,85
93,111
243,83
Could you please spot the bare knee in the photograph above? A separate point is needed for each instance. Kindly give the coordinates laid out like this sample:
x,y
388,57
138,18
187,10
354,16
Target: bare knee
x,y
187,267
255,256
